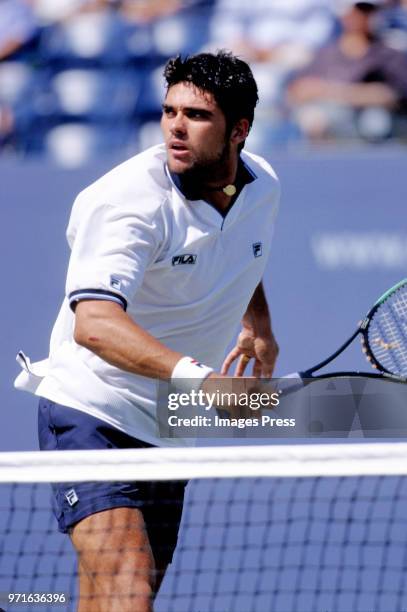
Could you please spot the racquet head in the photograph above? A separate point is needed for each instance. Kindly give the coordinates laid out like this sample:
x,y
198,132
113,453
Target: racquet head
x,y
384,331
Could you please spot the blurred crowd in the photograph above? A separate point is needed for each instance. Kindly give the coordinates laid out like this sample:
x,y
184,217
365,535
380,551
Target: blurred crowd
x,y
80,78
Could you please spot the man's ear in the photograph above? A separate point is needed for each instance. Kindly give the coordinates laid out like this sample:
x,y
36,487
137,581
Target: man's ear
x,y
240,131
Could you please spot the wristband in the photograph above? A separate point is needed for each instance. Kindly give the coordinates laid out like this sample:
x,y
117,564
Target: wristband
x,y
188,374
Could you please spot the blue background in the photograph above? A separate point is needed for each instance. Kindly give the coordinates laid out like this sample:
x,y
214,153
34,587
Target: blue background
x,y
340,241
350,202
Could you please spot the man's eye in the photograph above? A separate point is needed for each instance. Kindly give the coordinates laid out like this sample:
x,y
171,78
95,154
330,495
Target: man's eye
x,y
196,115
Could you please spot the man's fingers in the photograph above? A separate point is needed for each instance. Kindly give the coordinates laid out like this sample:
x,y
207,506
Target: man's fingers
x,y
263,368
242,364
257,369
233,355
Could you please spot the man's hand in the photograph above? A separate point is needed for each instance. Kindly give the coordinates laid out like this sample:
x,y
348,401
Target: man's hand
x,y
235,394
262,348
255,341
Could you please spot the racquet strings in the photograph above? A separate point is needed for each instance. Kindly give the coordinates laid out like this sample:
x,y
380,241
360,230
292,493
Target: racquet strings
x,y
387,333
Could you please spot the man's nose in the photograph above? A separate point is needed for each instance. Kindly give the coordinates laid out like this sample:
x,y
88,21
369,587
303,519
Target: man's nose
x,y
178,124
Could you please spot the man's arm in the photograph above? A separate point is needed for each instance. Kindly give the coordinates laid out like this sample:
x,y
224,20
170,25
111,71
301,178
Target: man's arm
x,y
255,341
104,328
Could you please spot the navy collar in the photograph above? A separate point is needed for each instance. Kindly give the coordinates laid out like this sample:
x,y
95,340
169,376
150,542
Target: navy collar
x,y
244,176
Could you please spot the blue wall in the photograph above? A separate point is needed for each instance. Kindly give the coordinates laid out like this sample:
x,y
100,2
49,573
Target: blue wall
x,y
340,241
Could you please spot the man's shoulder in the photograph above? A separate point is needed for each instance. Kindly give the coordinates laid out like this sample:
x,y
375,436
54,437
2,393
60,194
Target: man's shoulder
x,y
140,179
260,167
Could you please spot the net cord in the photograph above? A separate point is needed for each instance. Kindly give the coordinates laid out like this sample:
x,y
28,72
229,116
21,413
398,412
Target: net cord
x,y
315,460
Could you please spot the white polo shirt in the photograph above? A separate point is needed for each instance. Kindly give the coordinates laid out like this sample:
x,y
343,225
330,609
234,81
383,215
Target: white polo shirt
x,y
182,271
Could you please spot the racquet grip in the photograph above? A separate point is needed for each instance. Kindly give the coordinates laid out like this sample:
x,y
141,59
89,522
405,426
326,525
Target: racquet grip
x,y
290,383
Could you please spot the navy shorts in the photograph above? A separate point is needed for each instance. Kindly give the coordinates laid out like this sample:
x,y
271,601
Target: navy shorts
x,y
64,428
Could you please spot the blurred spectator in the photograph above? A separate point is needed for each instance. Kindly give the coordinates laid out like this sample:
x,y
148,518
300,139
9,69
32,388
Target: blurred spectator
x,y
53,11
18,28
162,28
144,11
60,60
81,32
275,36
19,35
393,25
6,124
353,86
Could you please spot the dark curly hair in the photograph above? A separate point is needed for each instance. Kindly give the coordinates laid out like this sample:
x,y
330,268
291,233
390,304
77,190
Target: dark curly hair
x,y
227,77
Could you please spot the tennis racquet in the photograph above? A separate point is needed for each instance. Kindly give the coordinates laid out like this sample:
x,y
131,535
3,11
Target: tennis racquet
x,y
384,340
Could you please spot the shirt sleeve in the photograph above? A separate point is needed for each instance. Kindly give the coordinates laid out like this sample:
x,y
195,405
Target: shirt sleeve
x,y
111,249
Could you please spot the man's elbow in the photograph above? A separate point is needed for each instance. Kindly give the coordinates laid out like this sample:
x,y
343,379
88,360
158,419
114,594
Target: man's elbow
x,y
93,322
83,332
87,325
78,335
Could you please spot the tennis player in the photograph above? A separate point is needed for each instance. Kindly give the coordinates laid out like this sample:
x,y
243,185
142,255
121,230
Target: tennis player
x,y
168,254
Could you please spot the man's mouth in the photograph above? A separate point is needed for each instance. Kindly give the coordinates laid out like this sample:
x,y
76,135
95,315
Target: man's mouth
x,y
178,146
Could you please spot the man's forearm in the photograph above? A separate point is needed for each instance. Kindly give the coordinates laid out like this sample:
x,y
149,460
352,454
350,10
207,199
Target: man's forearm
x,y
255,341
106,330
257,315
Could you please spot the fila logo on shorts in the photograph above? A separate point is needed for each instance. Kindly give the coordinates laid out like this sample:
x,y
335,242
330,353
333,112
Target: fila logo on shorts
x,y
186,258
71,497
257,249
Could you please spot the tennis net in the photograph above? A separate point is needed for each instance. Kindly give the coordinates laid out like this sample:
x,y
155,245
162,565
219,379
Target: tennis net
x,y
285,528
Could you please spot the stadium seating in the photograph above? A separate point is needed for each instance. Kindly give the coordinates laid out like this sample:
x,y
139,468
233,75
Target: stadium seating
x,y
92,69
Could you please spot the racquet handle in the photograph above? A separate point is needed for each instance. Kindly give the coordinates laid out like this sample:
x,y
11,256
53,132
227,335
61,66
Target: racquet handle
x,y
290,383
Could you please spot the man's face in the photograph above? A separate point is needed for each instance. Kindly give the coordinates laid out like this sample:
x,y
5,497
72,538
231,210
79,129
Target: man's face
x,y
194,129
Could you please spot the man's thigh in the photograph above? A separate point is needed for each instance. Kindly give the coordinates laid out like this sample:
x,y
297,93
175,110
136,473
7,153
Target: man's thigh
x,y
115,562
63,428
112,541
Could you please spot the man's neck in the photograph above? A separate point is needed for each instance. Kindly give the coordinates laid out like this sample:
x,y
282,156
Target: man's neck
x,y
218,200
219,191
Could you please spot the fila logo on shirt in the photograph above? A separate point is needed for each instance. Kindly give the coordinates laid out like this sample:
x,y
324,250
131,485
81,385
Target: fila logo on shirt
x,y
115,282
257,249
186,258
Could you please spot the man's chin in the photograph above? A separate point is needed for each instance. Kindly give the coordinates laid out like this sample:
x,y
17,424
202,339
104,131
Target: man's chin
x,y
178,166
